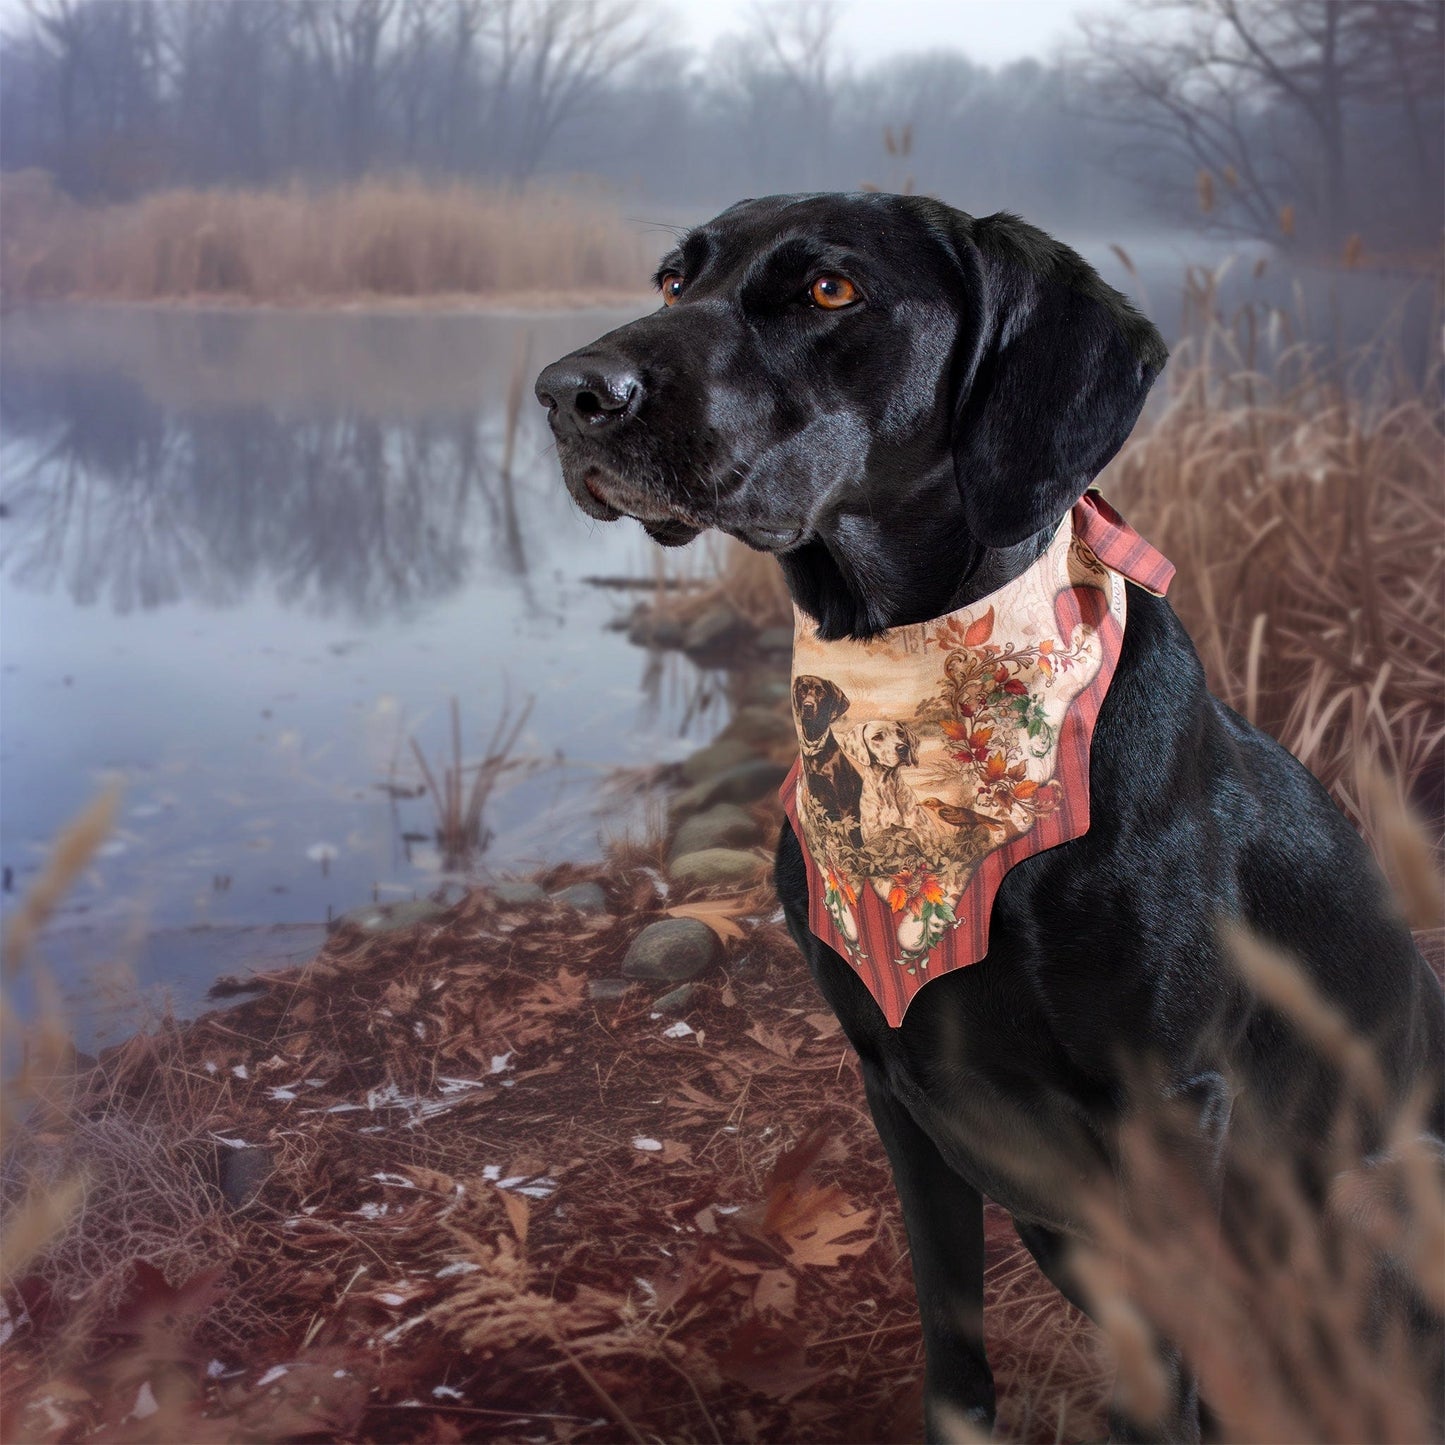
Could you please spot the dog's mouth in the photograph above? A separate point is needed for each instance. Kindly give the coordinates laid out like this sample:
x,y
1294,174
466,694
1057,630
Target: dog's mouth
x,y
607,495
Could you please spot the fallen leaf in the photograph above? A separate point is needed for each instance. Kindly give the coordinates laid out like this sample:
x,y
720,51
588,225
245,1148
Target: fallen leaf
x,y
769,1360
773,1041
519,1212
776,1290
720,915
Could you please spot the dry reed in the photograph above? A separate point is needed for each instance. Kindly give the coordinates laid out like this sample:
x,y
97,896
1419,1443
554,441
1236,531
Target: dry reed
x,y
396,238
1302,1318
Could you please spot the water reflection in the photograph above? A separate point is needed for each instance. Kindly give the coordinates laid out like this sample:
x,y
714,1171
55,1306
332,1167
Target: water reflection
x,y
244,560
125,503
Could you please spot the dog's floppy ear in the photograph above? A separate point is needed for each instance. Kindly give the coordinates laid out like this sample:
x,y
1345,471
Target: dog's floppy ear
x,y
837,699
910,741
1051,383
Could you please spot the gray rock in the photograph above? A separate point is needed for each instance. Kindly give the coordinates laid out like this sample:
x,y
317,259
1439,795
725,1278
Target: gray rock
x,y
607,989
776,639
674,949
676,1000
723,826
392,917
715,628
762,727
766,689
584,897
717,867
513,895
717,758
243,1173
650,630
685,803
747,782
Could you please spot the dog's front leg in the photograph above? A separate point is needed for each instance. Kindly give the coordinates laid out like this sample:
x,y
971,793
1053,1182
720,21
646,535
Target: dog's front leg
x,y
943,1215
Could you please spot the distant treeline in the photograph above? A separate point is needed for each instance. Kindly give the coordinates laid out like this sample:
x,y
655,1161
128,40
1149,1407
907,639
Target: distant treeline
x,y
1283,118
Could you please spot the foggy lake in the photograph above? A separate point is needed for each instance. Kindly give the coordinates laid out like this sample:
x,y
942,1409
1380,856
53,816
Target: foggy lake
x,y
246,557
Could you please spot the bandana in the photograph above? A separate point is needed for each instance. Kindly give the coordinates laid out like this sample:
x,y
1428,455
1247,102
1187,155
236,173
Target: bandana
x,y
935,756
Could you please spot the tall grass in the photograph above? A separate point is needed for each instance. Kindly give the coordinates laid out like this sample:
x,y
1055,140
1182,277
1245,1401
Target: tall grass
x,y
392,238
1303,503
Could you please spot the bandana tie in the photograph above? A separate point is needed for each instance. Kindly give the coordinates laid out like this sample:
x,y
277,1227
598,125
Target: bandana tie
x,y
935,756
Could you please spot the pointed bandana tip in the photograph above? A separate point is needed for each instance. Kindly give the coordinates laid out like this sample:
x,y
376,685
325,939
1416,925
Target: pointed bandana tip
x,y
935,756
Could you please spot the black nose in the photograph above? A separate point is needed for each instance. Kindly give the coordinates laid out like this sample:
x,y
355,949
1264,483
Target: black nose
x,y
590,392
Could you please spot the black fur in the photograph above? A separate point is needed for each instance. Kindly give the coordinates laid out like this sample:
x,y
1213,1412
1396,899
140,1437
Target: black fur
x,y
903,456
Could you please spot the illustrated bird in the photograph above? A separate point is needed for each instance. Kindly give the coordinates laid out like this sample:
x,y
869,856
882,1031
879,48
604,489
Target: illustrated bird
x,y
959,817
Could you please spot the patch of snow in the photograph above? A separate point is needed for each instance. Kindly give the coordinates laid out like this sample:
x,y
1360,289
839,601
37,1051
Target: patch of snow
x,y
446,1392
679,1030
272,1375
230,1143
502,1061
460,1266
650,1146
145,1402
240,1071
278,1095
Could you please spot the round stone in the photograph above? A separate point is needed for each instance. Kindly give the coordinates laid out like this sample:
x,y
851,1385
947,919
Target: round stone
x,y
717,867
584,897
723,826
717,758
674,949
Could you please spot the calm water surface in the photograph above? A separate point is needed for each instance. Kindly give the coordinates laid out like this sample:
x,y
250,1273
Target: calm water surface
x,y
244,560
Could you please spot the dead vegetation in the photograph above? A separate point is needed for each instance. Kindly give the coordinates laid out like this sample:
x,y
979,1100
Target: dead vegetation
x,y
1302,505
393,238
493,1208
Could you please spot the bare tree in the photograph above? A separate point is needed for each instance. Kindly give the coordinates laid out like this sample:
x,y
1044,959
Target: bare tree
x,y
346,38
552,59
798,38
1259,95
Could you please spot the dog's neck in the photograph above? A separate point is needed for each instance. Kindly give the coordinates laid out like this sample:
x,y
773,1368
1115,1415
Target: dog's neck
x,y
862,574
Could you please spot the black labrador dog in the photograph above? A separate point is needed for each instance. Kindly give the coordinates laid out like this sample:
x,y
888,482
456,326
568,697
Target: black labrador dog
x,y
901,401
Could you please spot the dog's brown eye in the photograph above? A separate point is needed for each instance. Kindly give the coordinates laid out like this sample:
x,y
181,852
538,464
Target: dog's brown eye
x,y
671,288
833,292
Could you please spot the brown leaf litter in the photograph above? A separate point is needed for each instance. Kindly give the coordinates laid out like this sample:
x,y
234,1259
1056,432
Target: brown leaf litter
x,y
491,1208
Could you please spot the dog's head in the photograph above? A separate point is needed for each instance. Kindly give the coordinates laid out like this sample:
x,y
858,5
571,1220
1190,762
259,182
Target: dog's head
x,y
817,703
875,387
889,745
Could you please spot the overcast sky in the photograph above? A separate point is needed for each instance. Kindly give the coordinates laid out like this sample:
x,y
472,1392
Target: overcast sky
x,y
991,31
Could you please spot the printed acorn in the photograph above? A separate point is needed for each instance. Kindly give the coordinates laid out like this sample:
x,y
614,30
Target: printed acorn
x,y
962,817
